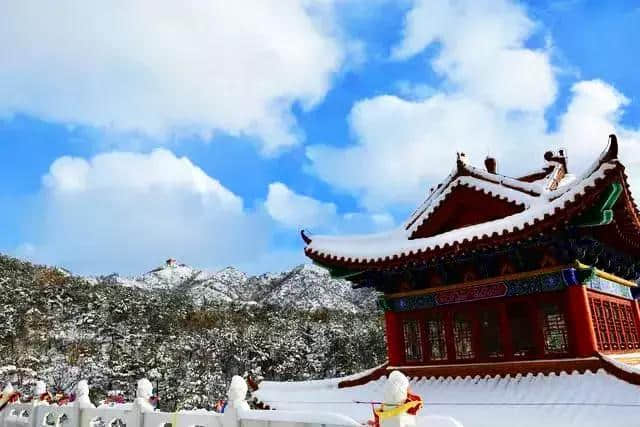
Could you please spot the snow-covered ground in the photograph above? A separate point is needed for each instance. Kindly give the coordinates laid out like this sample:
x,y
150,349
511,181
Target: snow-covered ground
x,y
564,400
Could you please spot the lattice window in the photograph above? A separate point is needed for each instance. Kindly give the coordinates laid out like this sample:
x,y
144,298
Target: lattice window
x,y
617,322
614,324
630,329
611,326
490,333
436,335
596,315
600,325
412,341
556,337
463,336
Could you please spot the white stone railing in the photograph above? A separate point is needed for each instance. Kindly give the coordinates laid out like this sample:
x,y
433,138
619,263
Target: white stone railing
x,y
140,413
26,415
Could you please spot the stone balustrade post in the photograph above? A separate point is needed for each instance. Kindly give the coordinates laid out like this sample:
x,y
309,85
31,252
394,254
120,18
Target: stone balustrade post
x,y
236,402
5,411
144,391
39,392
5,396
82,396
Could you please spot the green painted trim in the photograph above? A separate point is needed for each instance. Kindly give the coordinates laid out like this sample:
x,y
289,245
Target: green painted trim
x,y
601,213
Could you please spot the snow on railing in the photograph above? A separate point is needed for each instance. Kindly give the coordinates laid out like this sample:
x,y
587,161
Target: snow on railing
x,y
140,413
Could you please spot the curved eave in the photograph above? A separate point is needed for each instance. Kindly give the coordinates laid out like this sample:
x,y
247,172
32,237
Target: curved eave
x,y
560,216
625,228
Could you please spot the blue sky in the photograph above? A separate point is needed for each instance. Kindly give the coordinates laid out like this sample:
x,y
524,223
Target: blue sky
x,y
214,133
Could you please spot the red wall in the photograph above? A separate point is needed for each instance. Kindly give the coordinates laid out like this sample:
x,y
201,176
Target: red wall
x,y
576,313
580,324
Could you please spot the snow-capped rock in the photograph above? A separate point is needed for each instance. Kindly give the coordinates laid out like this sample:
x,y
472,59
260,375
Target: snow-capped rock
x,y
304,287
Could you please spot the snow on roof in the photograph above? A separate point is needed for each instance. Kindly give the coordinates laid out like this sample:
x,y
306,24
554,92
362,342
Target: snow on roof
x,y
491,183
379,246
585,400
490,188
618,362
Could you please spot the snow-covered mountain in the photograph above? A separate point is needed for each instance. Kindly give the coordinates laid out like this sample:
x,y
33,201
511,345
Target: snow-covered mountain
x,y
304,287
113,330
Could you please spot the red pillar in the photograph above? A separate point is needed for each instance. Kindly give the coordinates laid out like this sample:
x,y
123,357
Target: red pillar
x,y
395,340
581,327
451,347
537,334
505,333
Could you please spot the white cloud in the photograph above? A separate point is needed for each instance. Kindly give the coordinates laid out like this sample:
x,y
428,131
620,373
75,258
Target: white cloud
x,y
482,50
403,147
160,68
152,174
493,101
127,212
594,112
413,91
296,211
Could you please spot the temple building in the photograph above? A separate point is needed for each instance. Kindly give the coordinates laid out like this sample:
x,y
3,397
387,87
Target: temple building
x,y
496,269
507,301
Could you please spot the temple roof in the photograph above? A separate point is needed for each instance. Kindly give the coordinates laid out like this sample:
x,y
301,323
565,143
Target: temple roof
x,y
474,207
575,392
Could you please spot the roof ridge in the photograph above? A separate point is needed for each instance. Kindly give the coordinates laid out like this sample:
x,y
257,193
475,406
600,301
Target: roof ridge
x,y
467,181
542,205
473,171
512,223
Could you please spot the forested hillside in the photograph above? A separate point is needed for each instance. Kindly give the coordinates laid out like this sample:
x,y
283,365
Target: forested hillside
x,y
62,328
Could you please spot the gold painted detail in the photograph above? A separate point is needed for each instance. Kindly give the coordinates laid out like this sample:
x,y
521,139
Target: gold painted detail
x,y
607,276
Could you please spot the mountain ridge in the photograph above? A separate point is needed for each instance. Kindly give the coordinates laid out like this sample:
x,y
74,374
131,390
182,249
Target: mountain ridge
x,y
305,286
60,328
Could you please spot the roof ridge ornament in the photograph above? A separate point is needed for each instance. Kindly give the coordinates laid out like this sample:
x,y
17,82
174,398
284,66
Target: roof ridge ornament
x,y
305,236
559,157
611,152
461,161
491,165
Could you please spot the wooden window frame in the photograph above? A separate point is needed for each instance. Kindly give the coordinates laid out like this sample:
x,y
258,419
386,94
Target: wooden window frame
x,y
560,326
419,346
533,304
440,318
469,336
614,322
